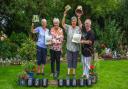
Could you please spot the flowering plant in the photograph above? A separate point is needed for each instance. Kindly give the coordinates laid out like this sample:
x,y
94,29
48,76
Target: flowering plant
x,y
92,68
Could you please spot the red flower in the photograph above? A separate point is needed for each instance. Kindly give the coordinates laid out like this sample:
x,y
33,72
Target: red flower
x,y
92,66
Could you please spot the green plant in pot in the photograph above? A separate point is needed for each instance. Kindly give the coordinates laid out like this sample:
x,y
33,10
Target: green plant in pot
x,y
22,78
23,75
30,68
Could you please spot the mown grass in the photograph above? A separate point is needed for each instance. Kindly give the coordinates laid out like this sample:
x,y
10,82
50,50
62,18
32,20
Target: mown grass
x,y
112,75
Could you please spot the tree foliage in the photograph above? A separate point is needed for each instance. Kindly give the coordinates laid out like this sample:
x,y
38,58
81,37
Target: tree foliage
x,y
112,36
111,17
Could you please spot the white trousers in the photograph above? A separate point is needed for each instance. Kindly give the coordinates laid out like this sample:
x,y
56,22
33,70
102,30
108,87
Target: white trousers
x,y
86,61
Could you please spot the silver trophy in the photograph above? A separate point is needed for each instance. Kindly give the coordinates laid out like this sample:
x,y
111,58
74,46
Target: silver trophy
x,y
79,10
35,18
67,8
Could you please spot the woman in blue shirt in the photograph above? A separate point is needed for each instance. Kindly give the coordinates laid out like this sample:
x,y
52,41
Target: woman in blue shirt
x,y
41,47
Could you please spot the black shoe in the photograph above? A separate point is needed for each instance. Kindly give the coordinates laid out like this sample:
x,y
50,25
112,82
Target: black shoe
x,y
57,73
43,74
38,73
74,76
55,76
68,76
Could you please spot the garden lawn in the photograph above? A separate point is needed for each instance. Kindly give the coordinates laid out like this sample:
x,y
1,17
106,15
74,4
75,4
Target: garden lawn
x,y
112,75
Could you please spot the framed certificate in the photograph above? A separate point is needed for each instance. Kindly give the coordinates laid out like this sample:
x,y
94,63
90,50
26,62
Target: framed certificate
x,y
48,39
76,38
35,18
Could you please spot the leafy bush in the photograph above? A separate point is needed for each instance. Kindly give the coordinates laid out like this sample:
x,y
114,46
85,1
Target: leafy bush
x,y
110,36
9,46
28,50
30,67
8,49
18,38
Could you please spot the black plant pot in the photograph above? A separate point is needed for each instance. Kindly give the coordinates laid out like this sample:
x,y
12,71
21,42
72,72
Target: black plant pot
x,y
30,82
94,78
81,82
37,82
61,82
44,82
89,81
74,82
22,82
68,82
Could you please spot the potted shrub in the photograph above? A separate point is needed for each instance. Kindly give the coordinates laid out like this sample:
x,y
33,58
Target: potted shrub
x,y
93,74
23,75
30,68
22,78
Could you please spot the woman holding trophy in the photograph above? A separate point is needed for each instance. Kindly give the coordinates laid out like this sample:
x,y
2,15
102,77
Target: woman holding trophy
x,y
41,46
72,47
56,47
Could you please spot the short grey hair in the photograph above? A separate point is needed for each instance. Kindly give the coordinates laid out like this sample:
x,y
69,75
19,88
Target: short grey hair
x,y
56,20
74,18
88,20
43,20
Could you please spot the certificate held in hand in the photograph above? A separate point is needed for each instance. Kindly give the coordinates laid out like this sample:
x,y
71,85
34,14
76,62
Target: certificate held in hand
x,y
76,38
48,39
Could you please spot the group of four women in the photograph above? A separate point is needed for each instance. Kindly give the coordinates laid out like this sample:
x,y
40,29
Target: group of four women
x,y
87,40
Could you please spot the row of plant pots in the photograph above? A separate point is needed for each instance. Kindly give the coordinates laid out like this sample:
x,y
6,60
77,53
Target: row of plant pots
x,y
31,82
77,82
26,78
